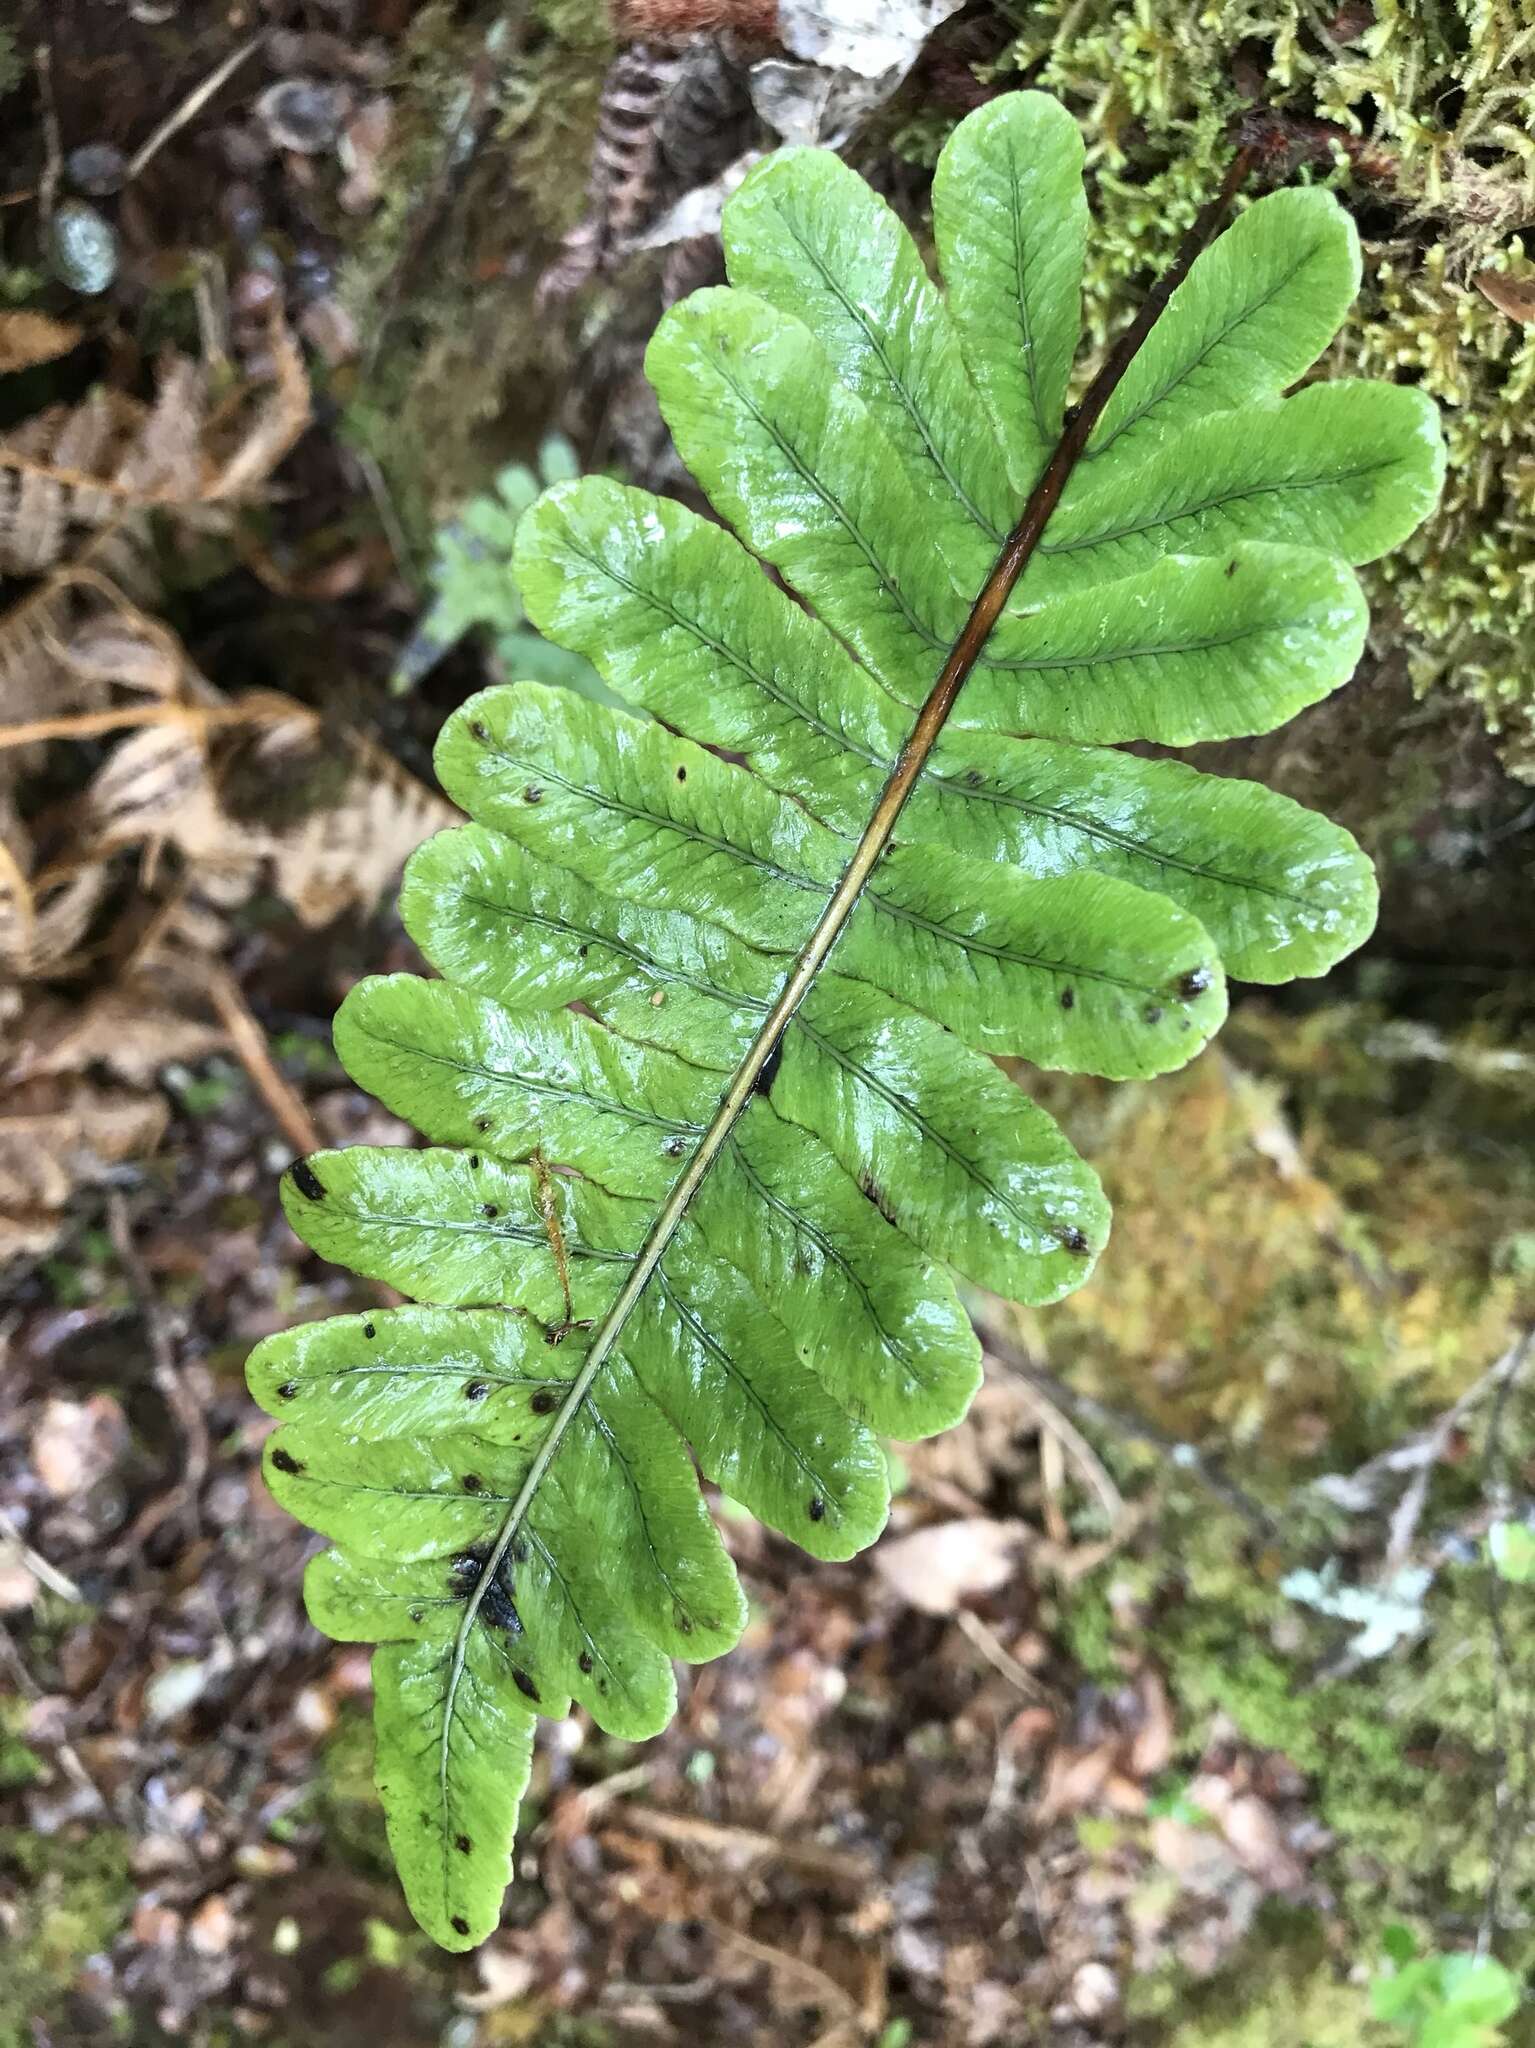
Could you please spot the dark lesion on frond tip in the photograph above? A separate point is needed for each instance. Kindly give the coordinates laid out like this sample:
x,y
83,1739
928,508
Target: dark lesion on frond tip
x,y
497,1608
306,1180
1195,983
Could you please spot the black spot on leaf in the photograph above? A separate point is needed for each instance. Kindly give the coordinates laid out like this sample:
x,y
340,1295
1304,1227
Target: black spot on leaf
x,y
1194,983
473,1483
1153,1013
489,1209
476,1390
418,1614
370,1330
682,774
459,1924
474,1160
482,1123
543,1401
1074,1240
532,794
287,1390
525,1685
585,1660
817,1508
1231,568
462,1844
479,730
770,1068
1068,999
286,1462
307,1181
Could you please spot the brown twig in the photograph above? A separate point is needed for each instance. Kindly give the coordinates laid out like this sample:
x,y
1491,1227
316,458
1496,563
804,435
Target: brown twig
x,y
260,708
1001,1659
48,184
249,1044
68,1756
190,107
827,1991
750,1845
1185,1457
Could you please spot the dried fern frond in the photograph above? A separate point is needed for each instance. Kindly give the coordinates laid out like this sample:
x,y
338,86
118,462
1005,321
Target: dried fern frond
x,y
72,470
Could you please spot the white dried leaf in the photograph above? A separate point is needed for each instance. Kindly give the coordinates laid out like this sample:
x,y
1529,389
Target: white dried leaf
x,y
939,1567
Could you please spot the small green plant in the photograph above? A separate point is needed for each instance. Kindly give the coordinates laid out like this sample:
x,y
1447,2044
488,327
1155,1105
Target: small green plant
x,y
475,590
713,1118
1439,2001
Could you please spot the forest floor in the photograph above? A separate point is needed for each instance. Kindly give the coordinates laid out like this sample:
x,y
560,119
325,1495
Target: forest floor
x,y
1182,1681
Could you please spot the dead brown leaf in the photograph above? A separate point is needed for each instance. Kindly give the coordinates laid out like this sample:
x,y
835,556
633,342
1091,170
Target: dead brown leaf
x,y
1512,295
55,1136
938,1567
132,1029
77,1443
30,338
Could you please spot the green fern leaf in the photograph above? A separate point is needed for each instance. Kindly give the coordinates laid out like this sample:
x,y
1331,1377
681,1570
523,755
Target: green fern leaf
x,y
712,1123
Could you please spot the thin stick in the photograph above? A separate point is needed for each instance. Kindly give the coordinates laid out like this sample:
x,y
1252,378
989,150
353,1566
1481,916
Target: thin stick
x,y
48,187
1185,1456
190,107
258,709
1010,564
67,1754
248,1042
1001,1658
46,1574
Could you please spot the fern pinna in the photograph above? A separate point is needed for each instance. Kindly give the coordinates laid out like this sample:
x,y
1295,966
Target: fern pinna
x,y
706,1079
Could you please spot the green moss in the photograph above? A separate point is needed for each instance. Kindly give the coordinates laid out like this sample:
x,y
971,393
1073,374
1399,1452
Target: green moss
x,y
450,258
1441,94
1403,1755
346,1801
1315,1246
65,1900
1287,1994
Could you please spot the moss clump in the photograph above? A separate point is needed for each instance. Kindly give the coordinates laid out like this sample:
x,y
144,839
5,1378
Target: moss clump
x,y
64,1901
13,68
485,170
346,1801
1287,1994
1314,1243
1404,1755
1429,111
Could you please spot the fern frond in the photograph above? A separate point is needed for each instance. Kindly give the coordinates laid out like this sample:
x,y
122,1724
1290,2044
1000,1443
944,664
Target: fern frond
x,y
706,1082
